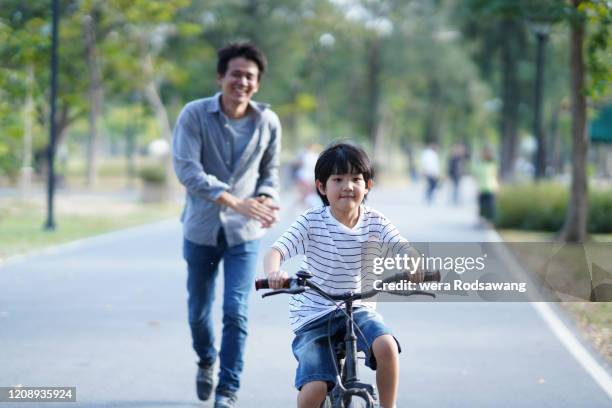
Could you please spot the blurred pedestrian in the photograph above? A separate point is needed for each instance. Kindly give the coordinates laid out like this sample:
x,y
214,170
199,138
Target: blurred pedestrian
x,y
304,176
455,170
226,153
485,173
430,168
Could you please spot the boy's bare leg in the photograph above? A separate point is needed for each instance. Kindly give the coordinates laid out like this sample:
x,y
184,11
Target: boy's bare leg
x,y
312,394
387,369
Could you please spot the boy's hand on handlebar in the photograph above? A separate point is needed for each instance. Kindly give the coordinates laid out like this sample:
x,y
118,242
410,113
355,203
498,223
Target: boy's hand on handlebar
x,y
418,275
276,279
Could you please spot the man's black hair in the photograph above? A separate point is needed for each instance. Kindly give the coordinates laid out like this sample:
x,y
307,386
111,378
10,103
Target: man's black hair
x,y
244,49
342,158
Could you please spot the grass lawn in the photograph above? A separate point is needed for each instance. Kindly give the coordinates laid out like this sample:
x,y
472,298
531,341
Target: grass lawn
x,y
593,318
77,216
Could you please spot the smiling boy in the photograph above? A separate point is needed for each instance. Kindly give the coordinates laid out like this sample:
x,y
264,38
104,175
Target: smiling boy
x,y
331,239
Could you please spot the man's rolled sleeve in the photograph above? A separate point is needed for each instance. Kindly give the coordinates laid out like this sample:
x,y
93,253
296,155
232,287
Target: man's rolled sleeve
x,y
186,148
268,183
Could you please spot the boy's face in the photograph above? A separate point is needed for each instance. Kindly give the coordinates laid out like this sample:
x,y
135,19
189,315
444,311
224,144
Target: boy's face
x,y
345,192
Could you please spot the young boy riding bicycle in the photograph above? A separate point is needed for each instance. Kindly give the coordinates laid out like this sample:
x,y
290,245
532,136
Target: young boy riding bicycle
x,y
331,238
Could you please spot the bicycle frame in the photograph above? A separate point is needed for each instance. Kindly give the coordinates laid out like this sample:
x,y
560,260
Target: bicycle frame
x,y
347,382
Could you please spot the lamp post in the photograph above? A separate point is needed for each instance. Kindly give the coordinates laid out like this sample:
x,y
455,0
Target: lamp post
x,y
541,31
50,223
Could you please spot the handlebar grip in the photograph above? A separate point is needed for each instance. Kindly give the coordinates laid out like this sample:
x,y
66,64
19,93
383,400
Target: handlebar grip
x,y
261,284
432,276
264,284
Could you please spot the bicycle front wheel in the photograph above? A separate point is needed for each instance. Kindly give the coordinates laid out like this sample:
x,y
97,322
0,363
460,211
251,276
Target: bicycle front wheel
x,y
357,403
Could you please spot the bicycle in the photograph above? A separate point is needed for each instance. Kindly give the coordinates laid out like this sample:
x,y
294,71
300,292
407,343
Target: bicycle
x,y
347,383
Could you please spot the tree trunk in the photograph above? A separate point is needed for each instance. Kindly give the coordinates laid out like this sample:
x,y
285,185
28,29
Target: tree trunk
x,y
540,163
252,29
95,97
510,99
63,121
28,122
379,141
153,97
373,88
575,228
412,168
130,154
433,118
554,141
291,135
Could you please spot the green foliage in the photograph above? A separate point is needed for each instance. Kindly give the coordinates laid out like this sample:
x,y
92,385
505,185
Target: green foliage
x,y
600,212
9,142
599,56
532,206
437,68
151,173
9,162
542,207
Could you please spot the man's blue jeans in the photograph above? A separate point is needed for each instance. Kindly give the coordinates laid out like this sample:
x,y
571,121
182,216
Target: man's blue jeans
x,y
239,265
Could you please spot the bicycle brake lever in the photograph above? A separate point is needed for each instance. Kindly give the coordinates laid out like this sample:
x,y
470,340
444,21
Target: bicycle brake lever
x,y
293,291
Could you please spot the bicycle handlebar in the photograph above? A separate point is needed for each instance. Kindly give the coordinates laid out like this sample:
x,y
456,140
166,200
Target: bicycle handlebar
x,y
429,277
301,284
263,283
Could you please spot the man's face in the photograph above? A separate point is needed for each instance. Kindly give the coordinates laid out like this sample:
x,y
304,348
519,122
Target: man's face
x,y
240,82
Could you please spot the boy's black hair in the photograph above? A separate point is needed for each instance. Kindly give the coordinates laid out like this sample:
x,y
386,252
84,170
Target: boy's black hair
x,y
342,158
244,49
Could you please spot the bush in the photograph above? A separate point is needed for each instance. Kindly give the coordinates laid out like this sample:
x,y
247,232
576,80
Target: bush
x,y
9,162
600,212
543,206
152,174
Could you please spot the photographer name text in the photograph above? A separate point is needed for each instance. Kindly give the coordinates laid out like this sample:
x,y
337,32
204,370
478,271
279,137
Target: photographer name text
x,y
457,285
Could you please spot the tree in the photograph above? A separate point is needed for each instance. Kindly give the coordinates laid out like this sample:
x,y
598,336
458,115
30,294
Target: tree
x,y
23,44
497,27
95,92
145,28
575,227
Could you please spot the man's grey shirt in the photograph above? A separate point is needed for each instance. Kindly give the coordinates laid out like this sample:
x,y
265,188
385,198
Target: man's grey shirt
x,y
202,156
242,130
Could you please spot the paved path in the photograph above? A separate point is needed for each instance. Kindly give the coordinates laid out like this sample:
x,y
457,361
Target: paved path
x,y
109,317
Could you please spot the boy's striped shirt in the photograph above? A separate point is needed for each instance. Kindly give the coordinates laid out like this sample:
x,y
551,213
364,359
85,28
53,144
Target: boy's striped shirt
x,y
333,254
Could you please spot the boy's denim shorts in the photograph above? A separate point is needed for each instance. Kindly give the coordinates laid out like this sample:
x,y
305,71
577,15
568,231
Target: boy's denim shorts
x,y
311,346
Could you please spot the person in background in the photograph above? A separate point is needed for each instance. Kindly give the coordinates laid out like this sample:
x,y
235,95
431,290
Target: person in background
x,y
485,173
456,163
304,176
226,153
430,168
